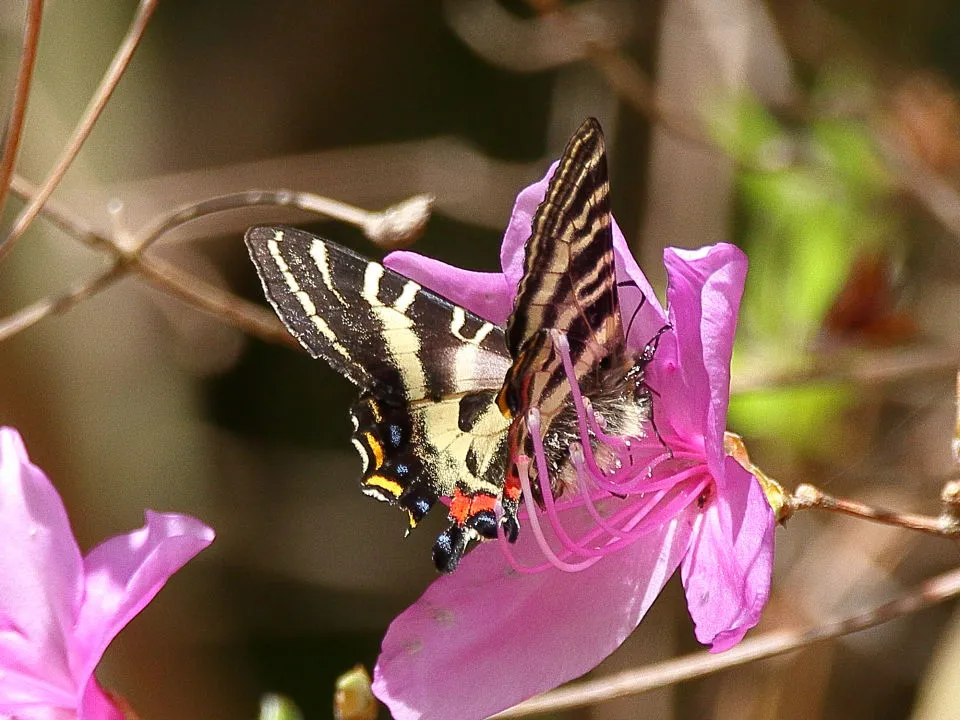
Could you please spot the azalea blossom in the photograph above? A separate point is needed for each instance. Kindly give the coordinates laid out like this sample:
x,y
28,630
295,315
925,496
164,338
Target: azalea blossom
x,y
59,610
518,619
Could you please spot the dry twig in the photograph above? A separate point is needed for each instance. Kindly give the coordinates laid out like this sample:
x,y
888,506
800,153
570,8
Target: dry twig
x,y
21,93
393,226
89,118
946,524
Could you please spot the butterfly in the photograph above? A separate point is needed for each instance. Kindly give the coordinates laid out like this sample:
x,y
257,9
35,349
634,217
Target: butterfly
x,y
446,396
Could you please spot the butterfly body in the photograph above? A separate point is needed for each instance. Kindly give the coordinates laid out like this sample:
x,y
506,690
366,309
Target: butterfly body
x,y
445,394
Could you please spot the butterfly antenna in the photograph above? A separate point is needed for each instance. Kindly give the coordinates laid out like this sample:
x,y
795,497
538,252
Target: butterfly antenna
x,y
650,349
636,310
644,390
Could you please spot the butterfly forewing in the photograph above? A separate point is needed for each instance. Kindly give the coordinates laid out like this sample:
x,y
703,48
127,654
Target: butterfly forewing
x,y
568,285
381,330
568,280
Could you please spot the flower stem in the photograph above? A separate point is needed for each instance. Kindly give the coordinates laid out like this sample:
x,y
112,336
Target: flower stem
x,y
947,524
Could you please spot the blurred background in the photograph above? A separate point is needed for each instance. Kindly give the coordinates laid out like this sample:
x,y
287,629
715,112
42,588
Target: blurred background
x,y
823,137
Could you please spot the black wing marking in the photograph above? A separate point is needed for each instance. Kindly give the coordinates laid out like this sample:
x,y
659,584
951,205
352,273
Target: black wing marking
x,y
569,281
568,276
426,425
381,330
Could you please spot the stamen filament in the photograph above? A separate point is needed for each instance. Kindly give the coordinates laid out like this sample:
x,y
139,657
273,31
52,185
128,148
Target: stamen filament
x,y
588,500
563,347
546,492
652,515
645,503
523,470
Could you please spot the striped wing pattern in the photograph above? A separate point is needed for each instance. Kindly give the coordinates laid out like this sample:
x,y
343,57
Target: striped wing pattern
x,y
381,330
568,284
444,394
568,280
427,424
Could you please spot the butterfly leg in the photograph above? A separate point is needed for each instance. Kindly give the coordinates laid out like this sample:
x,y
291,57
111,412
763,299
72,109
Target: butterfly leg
x,y
642,391
510,504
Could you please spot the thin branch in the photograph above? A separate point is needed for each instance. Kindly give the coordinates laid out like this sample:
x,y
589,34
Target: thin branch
x,y
860,367
90,116
946,525
627,78
223,305
393,226
929,189
779,642
396,226
32,314
633,86
21,93
63,217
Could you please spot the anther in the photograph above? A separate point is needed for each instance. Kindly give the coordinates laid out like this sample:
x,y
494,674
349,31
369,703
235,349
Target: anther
x,y
560,340
576,454
533,420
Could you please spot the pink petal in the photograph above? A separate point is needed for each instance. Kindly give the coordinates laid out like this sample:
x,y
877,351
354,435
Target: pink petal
x,y
704,288
484,294
727,571
515,237
97,705
40,580
486,637
41,712
651,317
123,575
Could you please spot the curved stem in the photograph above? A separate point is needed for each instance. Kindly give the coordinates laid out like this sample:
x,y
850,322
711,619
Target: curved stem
x,y
21,93
89,118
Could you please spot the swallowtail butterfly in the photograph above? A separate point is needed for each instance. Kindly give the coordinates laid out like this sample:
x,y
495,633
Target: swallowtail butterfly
x,y
445,394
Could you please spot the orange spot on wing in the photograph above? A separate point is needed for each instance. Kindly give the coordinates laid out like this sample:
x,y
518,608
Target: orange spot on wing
x,y
482,502
459,507
384,483
377,449
463,507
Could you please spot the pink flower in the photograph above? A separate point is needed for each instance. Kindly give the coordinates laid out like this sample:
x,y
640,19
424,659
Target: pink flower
x,y
517,620
58,610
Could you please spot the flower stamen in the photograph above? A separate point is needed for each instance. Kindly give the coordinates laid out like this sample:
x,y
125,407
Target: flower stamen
x,y
628,474
523,469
